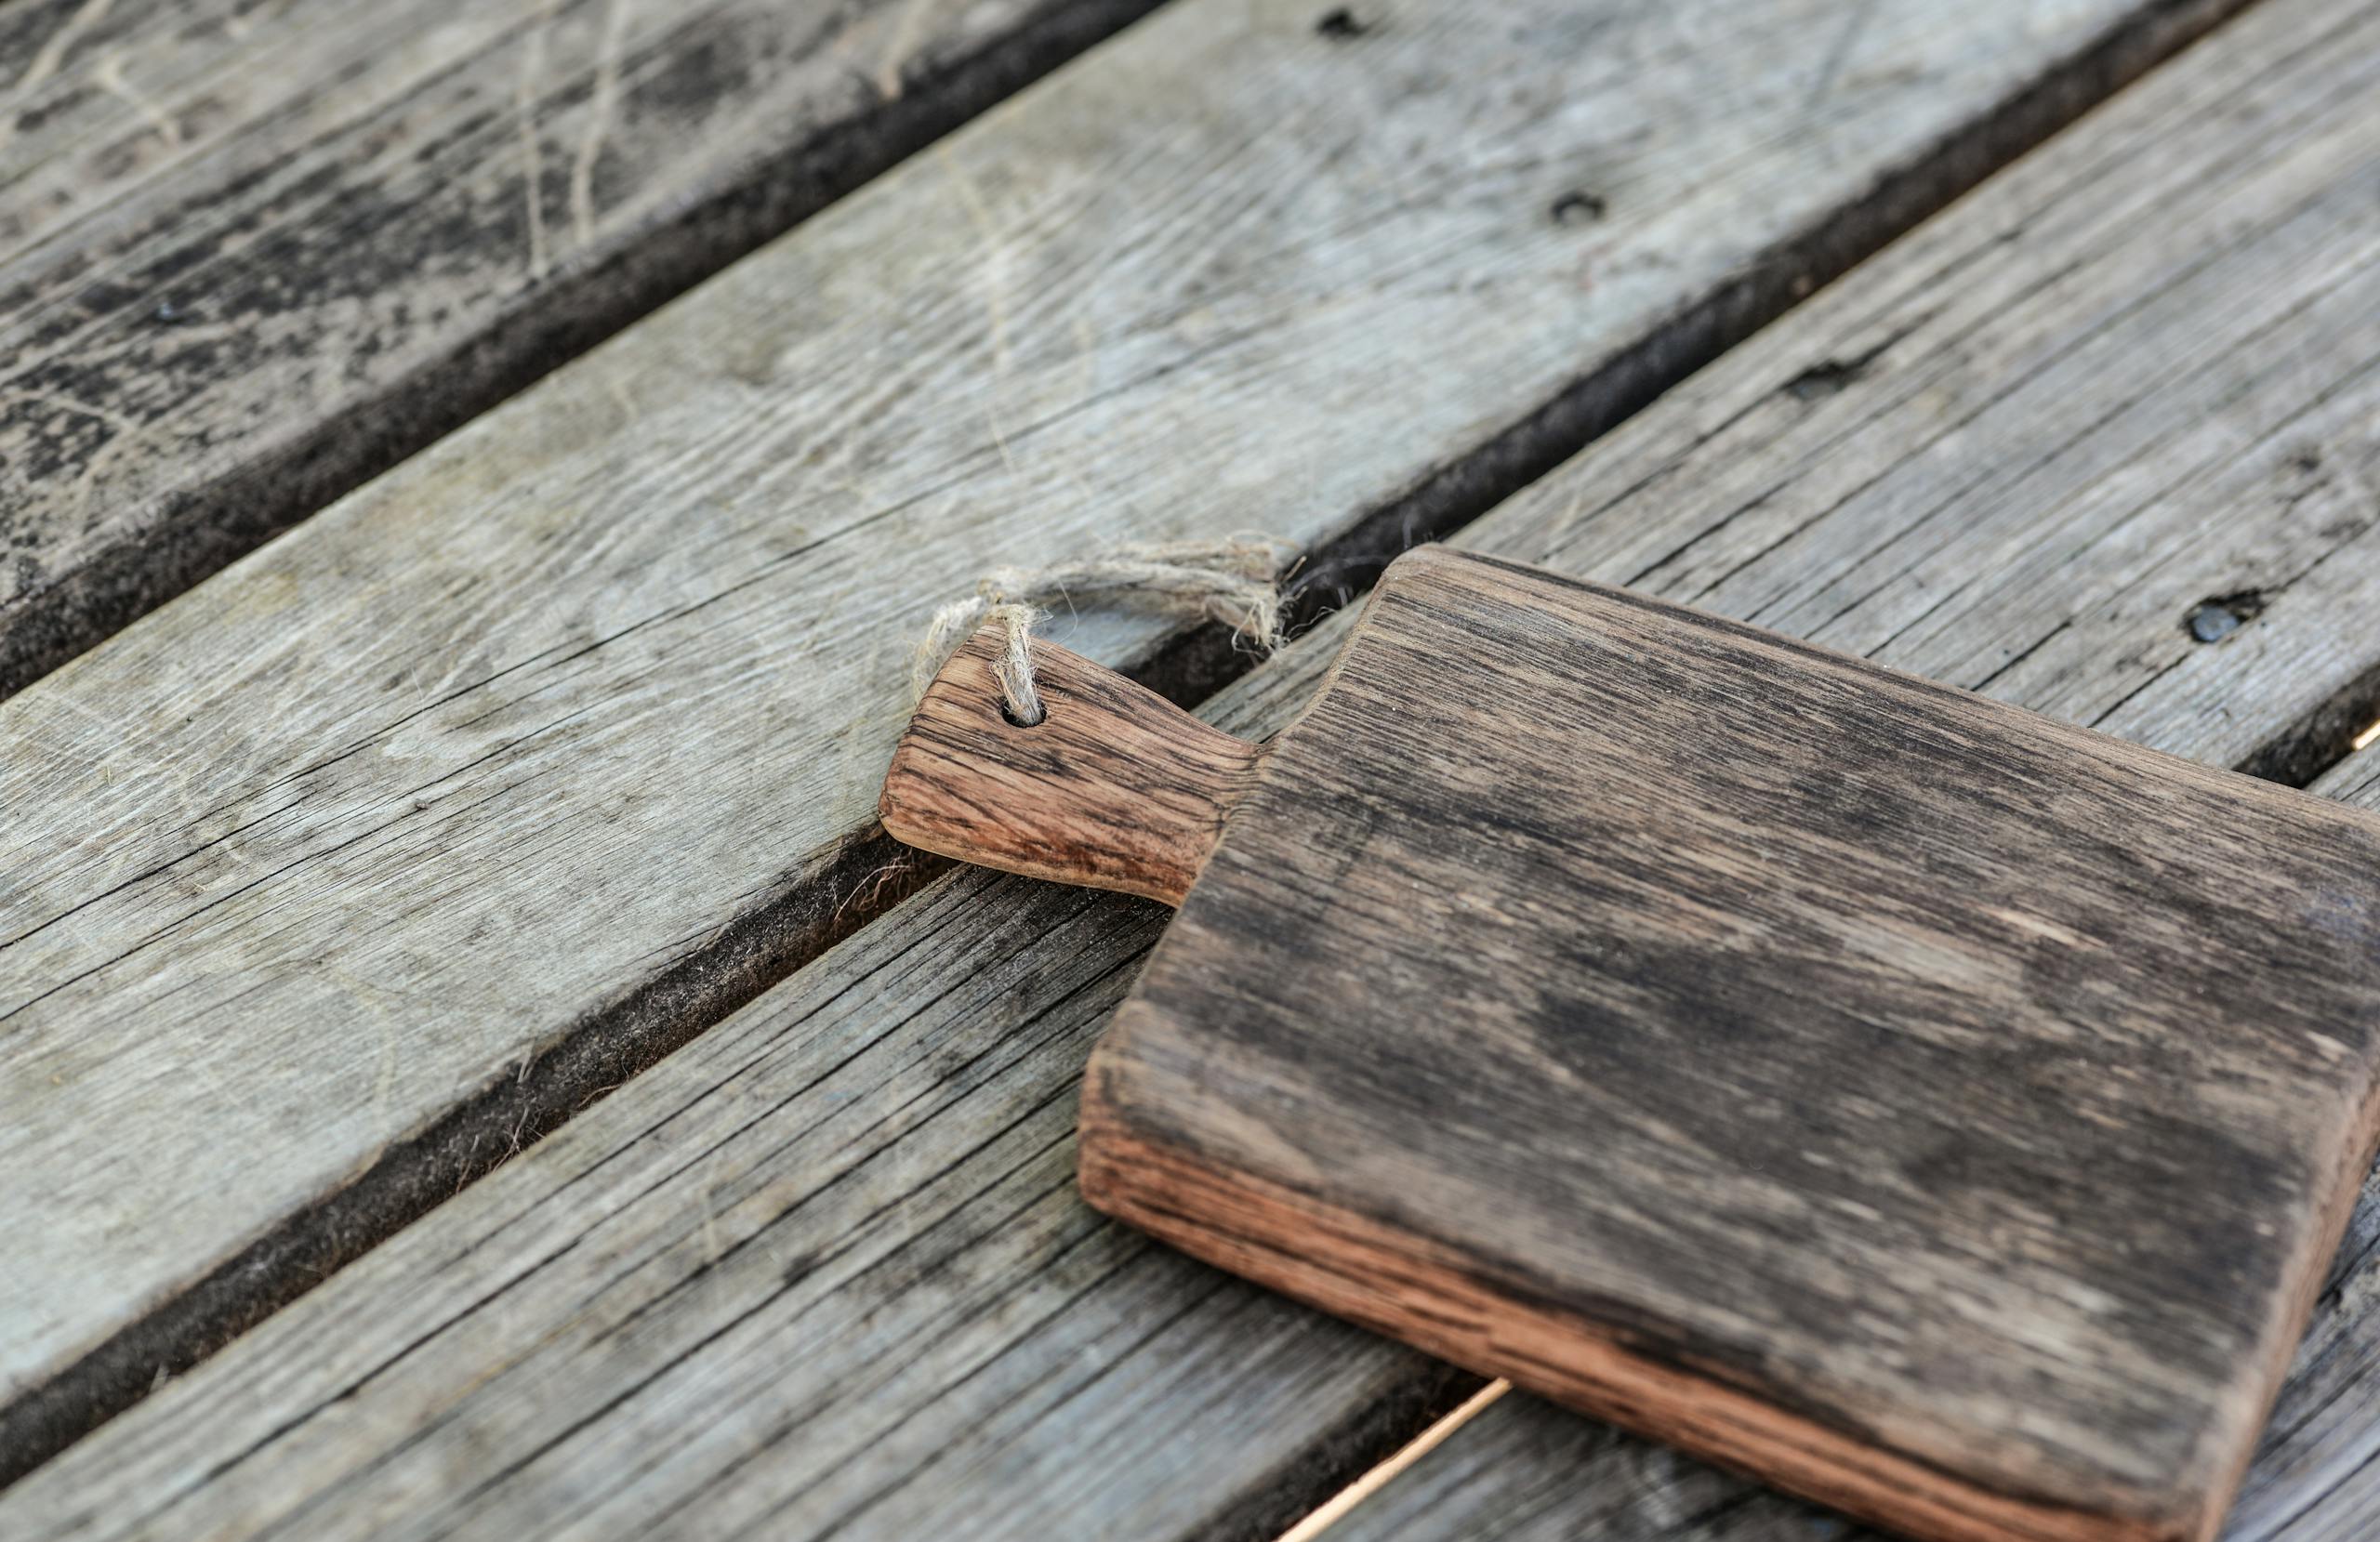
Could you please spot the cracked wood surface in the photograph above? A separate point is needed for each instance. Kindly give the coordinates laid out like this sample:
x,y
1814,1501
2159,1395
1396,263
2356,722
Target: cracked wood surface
x,y
822,1269
459,804
251,252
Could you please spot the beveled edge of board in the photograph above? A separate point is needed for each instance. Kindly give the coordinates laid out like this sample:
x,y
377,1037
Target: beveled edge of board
x,y
1145,1182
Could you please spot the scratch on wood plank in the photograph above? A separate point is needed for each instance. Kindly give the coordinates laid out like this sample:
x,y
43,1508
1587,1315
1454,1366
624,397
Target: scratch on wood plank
x,y
108,76
1086,389
380,997
239,24
598,122
1839,55
898,47
2357,486
533,64
978,213
622,396
46,61
126,430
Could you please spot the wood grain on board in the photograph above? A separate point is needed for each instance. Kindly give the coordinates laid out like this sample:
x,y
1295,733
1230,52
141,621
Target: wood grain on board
x,y
822,1270
251,252
1792,1059
336,880
1124,790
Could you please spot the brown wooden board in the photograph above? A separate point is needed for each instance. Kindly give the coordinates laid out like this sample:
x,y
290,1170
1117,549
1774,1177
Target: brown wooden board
x,y
1798,1060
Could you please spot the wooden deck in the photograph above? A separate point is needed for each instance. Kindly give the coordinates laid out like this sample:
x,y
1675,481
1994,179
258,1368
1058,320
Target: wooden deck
x,y
469,1064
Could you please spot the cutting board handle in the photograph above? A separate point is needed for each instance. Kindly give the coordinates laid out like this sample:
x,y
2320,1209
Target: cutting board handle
x,y
1115,788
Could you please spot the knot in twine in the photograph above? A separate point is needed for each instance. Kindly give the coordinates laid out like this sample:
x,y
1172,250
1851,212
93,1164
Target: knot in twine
x,y
1234,581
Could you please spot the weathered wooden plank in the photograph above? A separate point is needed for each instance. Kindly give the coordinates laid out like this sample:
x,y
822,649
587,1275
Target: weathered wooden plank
x,y
252,253
335,878
991,1375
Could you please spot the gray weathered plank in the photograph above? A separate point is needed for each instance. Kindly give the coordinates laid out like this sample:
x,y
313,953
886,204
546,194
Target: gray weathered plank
x,y
2357,777
470,1365
252,253
836,1191
421,827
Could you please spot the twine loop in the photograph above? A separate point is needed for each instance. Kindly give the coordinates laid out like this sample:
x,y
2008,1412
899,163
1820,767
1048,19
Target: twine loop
x,y
1235,581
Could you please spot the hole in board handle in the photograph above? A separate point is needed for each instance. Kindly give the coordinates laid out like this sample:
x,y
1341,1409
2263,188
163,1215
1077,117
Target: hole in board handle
x,y
1008,713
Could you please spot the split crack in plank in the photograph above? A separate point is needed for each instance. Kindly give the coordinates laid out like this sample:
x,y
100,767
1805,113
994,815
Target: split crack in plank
x,y
773,1233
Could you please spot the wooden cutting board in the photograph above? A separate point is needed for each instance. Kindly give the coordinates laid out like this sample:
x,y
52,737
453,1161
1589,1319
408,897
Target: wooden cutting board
x,y
1938,1110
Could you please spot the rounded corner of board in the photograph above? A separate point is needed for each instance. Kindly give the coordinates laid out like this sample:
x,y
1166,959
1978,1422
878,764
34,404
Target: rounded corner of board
x,y
1424,562
1104,1126
1101,1164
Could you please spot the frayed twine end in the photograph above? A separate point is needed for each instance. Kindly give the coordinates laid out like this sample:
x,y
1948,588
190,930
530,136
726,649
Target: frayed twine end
x,y
1235,581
